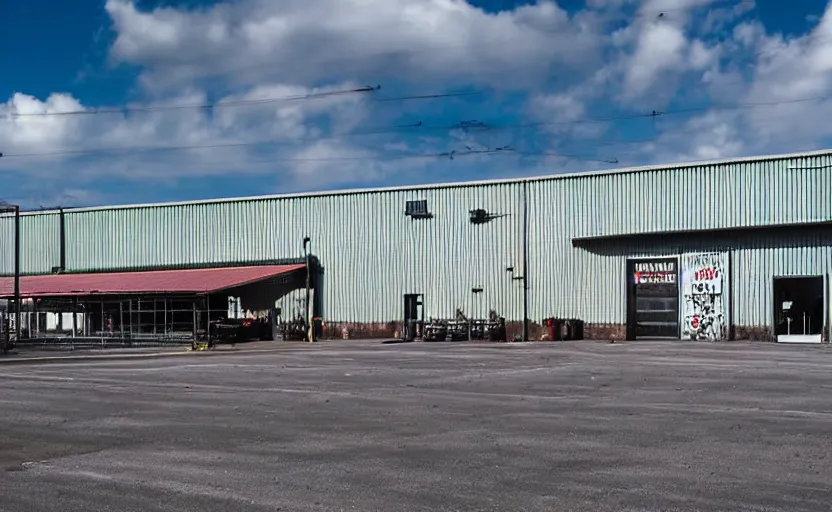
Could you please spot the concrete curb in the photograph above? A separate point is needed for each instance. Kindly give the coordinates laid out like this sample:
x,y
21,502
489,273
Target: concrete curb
x,y
127,357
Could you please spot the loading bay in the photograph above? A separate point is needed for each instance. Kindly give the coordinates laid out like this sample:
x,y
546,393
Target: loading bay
x,y
344,426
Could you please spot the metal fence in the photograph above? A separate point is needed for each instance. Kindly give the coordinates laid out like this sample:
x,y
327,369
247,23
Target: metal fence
x,y
112,323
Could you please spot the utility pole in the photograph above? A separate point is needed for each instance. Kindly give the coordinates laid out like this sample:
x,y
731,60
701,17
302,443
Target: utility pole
x,y
310,333
9,208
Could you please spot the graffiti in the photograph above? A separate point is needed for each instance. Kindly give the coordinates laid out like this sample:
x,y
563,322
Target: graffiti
x,y
703,278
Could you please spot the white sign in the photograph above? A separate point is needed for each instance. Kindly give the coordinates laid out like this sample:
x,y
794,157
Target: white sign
x,y
654,272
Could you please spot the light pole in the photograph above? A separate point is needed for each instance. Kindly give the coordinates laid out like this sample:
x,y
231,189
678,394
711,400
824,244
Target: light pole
x,y
476,292
309,326
9,208
510,270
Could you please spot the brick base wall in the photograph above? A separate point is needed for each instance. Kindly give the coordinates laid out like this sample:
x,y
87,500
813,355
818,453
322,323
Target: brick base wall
x,y
605,331
753,333
391,330
358,330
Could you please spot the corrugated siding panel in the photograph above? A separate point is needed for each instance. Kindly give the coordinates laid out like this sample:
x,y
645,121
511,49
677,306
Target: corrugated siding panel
x,y
371,252
589,282
720,196
39,240
757,263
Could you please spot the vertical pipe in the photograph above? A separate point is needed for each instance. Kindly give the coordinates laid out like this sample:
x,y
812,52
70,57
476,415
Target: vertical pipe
x,y
195,326
525,261
208,320
165,317
37,317
62,239
74,316
310,332
16,273
103,323
121,319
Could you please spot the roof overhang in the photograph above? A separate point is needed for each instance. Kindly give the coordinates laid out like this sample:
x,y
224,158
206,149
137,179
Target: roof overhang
x,y
711,232
155,282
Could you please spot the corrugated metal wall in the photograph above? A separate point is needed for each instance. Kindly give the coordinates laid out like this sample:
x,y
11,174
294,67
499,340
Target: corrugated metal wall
x,y
371,252
782,191
589,281
40,247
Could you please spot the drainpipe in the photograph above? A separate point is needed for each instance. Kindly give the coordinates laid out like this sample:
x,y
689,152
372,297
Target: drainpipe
x,y
16,273
62,236
310,333
525,261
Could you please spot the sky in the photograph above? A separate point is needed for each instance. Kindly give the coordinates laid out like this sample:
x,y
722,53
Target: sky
x,y
128,101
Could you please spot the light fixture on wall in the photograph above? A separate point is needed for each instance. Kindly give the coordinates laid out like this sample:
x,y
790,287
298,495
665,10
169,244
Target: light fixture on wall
x,y
482,216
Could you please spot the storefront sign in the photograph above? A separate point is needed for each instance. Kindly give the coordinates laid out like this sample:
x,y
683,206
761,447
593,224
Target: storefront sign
x,y
655,272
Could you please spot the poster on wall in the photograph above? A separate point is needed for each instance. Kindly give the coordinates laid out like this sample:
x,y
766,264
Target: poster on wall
x,y
704,296
655,272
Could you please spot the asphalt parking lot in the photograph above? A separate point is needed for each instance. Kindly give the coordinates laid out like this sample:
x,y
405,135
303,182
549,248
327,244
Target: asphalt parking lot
x,y
425,427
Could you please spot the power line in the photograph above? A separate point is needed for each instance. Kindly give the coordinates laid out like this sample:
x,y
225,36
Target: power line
x,y
449,155
239,103
468,126
144,149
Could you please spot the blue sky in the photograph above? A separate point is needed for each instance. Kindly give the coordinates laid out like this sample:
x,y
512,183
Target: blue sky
x,y
561,87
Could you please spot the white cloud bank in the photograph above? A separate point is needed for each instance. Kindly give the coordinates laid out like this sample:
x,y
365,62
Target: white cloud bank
x,y
568,66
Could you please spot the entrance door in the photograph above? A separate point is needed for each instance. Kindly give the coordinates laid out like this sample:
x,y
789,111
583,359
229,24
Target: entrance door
x,y
414,316
799,311
653,298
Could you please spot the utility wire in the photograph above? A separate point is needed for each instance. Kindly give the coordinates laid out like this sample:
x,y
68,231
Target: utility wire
x,y
471,125
144,149
239,103
450,155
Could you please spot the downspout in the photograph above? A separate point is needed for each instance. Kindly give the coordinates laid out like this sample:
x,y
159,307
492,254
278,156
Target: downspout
x,y
525,261
62,240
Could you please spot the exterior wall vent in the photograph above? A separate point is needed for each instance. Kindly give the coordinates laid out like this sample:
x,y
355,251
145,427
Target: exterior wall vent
x,y
417,209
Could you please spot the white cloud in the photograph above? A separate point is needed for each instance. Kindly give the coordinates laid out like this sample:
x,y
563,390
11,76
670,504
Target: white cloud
x,y
307,41
659,47
279,127
556,68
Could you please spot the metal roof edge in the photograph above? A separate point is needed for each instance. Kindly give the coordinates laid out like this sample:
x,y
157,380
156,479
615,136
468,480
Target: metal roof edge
x,y
582,239
460,184
183,266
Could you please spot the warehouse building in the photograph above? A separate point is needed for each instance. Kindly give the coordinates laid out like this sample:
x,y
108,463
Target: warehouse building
x,y
732,249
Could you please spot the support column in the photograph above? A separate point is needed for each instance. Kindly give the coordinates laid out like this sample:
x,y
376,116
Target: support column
x,y
74,316
195,326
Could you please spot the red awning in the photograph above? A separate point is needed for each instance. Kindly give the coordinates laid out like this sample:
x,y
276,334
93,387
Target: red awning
x,y
202,281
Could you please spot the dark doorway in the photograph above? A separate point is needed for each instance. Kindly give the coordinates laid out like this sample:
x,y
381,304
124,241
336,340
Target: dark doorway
x,y
652,298
414,316
799,309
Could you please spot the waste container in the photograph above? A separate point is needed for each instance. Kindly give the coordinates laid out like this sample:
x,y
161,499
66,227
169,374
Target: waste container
x,y
577,329
557,329
317,328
